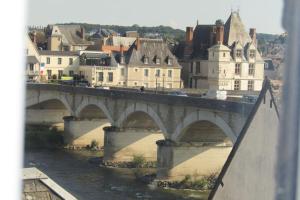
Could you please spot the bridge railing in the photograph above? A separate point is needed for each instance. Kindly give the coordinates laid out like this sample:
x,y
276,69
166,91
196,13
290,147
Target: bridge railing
x,y
191,101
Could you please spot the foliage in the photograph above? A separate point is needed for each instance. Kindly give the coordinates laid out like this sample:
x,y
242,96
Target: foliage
x,y
138,161
38,137
94,144
166,32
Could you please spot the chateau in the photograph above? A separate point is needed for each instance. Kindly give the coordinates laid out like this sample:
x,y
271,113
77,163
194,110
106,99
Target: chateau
x,y
221,57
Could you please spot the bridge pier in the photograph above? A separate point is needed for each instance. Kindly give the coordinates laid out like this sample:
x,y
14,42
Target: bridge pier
x,y
81,132
121,145
176,160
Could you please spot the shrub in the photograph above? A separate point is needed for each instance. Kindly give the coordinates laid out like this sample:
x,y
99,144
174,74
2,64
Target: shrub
x,y
138,161
94,144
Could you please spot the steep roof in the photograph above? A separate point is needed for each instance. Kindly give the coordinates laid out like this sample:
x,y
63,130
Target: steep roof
x,y
152,49
234,30
249,170
71,34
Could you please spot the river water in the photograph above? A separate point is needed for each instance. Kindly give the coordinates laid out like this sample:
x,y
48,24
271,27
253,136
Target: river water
x,y
88,181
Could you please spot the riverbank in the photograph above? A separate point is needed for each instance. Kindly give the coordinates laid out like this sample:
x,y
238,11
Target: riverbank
x,y
47,138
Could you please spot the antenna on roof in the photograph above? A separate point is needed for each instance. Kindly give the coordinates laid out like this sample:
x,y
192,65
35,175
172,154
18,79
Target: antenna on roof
x,y
197,22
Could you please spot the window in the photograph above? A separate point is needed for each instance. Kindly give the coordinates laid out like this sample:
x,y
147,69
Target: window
x,y
170,61
49,74
157,60
71,73
110,76
198,70
250,85
237,70
122,72
60,73
224,55
170,73
146,71
70,61
239,53
59,61
236,85
191,69
100,76
48,60
157,73
146,60
252,53
251,69
135,69
31,67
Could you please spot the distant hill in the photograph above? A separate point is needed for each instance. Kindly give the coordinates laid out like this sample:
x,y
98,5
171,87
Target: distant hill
x,y
165,32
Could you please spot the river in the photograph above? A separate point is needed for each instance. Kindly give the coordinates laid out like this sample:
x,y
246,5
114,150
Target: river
x,y
87,181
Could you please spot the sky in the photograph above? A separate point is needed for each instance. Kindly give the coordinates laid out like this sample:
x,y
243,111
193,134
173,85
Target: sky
x,y
264,15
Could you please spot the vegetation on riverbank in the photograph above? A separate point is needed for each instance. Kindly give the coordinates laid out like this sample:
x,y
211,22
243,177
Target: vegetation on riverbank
x,y
204,183
41,136
138,161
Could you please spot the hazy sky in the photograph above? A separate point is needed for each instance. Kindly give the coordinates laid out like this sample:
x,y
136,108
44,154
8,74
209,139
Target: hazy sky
x,y
265,15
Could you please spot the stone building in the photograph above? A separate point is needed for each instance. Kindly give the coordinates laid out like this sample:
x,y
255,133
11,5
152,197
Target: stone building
x,y
151,64
66,38
55,64
221,57
32,60
147,62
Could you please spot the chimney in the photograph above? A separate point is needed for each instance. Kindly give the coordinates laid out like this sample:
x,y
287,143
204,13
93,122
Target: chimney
x,y
82,34
34,38
122,58
121,49
220,34
138,43
252,34
189,35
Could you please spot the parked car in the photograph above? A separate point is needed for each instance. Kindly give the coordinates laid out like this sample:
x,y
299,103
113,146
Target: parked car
x,y
249,98
178,93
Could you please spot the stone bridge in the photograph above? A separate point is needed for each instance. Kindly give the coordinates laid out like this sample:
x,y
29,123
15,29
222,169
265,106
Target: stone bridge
x,y
186,135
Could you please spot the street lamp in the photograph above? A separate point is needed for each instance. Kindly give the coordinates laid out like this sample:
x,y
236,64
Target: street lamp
x,y
163,82
156,75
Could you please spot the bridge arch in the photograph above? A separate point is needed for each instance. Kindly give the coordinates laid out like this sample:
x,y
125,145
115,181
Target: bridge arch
x,y
97,103
203,116
35,100
145,109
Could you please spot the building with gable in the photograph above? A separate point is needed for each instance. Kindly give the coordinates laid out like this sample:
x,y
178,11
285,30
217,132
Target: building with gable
x,y
66,38
221,57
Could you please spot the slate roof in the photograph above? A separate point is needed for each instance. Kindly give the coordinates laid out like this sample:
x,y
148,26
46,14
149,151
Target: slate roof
x,y
234,30
267,88
204,37
151,48
37,185
32,60
71,35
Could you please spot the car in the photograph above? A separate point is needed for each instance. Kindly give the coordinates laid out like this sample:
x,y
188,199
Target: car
x,y
249,98
178,93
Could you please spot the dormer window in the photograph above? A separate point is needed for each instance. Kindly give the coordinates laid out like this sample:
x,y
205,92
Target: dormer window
x,y
157,61
122,59
252,53
170,61
238,53
146,60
